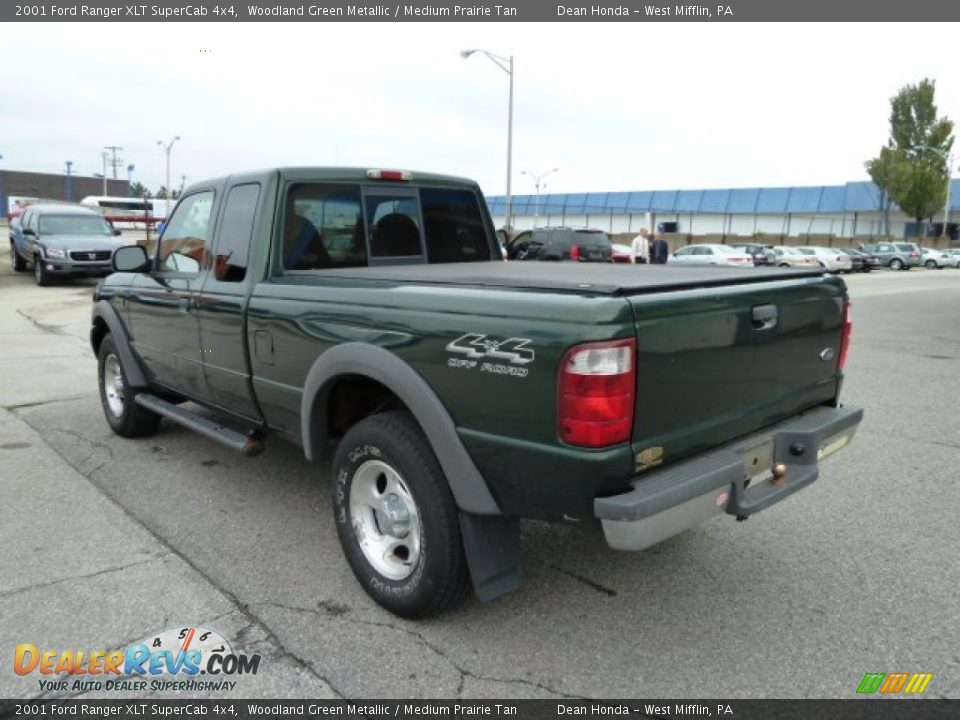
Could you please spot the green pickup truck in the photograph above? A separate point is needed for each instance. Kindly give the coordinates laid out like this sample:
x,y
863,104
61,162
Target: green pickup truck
x,y
368,317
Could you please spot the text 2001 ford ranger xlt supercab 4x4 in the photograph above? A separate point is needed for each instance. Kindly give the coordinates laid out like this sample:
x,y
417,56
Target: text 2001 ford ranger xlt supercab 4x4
x,y
368,313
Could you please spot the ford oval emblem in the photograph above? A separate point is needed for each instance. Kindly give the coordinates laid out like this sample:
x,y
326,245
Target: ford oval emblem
x,y
827,354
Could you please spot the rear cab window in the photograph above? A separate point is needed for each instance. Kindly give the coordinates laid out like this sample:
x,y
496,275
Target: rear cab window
x,y
326,225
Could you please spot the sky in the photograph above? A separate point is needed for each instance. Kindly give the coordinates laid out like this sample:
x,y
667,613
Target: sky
x,y
613,106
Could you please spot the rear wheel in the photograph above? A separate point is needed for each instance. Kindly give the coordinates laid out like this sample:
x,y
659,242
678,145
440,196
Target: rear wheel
x,y
930,264
396,518
896,264
19,264
123,415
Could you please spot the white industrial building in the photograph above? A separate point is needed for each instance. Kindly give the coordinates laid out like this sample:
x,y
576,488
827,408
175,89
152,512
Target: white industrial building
x,y
842,211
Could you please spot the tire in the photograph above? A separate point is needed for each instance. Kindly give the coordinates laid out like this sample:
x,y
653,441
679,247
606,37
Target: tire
x,y
784,265
39,272
896,264
930,264
18,263
123,415
386,458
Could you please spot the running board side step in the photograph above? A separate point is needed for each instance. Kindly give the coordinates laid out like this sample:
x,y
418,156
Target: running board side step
x,y
246,444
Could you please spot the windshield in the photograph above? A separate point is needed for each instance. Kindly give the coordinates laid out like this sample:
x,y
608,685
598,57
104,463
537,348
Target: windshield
x,y
74,225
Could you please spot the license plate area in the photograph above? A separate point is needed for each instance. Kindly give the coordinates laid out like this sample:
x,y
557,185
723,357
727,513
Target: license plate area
x,y
758,464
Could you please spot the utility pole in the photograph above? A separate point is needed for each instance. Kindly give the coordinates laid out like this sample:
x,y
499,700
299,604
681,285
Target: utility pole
x,y
167,147
114,162
69,181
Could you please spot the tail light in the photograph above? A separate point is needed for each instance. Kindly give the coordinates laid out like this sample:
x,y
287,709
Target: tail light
x,y
378,174
575,252
595,393
845,335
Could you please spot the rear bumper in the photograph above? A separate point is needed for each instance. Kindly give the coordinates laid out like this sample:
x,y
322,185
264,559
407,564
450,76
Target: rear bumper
x,y
665,502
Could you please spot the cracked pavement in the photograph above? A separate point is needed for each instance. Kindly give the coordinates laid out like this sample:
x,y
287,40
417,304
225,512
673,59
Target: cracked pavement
x,y
106,540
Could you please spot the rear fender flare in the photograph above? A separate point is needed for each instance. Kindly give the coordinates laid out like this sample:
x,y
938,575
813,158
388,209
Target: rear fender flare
x,y
354,358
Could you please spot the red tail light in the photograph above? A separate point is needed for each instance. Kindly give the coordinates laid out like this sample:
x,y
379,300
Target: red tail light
x,y
575,252
596,389
845,336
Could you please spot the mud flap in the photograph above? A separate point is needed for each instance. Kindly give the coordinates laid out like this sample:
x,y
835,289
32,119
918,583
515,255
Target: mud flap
x,y
492,545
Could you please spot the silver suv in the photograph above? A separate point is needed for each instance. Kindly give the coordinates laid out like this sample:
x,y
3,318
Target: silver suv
x,y
896,255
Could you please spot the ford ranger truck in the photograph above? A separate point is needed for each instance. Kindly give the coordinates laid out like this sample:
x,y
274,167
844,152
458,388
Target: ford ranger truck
x,y
367,317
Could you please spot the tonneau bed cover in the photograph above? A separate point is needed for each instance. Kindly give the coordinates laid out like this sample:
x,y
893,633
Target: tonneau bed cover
x,y
578,278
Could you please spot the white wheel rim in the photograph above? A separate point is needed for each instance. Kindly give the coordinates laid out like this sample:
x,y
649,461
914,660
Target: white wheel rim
x,y
113,385
385,519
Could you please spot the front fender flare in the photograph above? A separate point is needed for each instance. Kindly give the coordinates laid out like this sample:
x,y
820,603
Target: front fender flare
x,y
355,358
111,318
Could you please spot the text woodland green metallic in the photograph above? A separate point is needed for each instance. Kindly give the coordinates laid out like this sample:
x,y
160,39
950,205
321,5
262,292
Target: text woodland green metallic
x,y
367,316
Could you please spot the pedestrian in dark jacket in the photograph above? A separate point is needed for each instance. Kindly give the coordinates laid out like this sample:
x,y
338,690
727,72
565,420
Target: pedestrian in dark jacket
x,y
659,250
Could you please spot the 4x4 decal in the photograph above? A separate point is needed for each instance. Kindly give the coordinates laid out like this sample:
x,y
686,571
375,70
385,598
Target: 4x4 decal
x,y
476,346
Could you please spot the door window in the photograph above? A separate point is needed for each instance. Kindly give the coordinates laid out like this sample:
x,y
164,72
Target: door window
x,y
323,227
185,240
236,229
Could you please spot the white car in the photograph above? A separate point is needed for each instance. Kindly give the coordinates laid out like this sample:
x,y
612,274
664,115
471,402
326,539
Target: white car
x,y
791,257
710,255
832,260
933,258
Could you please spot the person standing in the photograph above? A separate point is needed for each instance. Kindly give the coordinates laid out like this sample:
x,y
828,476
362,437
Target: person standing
x,y
659,250
641,247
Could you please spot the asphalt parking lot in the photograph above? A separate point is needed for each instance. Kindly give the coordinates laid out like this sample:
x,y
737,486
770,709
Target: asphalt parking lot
x,y
105,541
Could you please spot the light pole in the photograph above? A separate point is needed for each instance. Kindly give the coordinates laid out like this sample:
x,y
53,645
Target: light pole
x,y
505,64
104,156
538,183
130,169
69,181
168,146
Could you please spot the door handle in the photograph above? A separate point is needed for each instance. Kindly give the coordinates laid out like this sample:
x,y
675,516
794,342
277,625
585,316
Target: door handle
x,y
764,317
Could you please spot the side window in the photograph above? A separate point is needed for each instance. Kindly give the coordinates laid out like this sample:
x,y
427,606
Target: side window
x,y
684,251
186,237
236,229
453,226
323,227
518,248
394,226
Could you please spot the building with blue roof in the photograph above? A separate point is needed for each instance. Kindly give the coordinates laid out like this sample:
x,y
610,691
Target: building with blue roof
x,y
851,211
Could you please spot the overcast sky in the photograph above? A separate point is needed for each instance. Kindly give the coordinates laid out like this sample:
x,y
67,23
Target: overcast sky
x,y
613,106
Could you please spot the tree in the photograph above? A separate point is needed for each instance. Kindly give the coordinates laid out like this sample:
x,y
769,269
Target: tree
x,y
138,189
912,168
161,193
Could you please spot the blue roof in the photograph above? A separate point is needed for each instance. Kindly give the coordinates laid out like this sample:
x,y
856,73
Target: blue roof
x,y
802,200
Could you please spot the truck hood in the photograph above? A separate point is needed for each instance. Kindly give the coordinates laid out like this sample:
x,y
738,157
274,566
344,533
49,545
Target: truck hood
x,y
82,242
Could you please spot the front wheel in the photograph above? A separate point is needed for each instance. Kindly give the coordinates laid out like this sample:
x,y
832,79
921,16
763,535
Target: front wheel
x,y
931,264
40,273
396,518
123,415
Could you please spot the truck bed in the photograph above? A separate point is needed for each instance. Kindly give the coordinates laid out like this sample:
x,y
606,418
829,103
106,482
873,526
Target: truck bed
x,y
572,278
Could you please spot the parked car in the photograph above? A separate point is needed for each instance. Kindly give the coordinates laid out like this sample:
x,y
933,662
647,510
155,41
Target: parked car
x,y
896,256
62,241
791,257
707,254
938,259
761,254
622,253
831,259
862,262
561,243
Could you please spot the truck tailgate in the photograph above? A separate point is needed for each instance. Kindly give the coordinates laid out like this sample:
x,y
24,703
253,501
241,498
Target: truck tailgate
x,y
714,366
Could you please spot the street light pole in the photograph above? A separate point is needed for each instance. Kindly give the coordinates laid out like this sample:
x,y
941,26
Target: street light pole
x,y
168,147
69,181
104,156
505,64
538,183
130,169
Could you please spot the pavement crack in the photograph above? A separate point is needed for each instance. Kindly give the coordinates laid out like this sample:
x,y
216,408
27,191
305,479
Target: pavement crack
x,y
41,403
463,672
42,327
75,578
586,581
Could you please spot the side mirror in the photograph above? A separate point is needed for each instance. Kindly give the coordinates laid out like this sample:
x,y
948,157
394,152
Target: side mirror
x,y
131,258
116,231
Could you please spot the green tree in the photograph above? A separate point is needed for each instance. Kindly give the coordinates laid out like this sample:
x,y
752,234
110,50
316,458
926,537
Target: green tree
x,y
911,170
138,189
161,193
